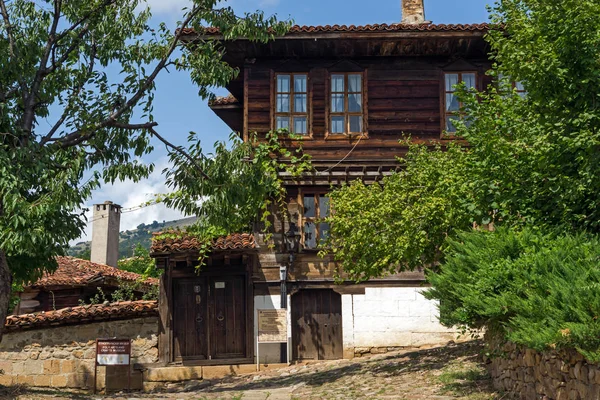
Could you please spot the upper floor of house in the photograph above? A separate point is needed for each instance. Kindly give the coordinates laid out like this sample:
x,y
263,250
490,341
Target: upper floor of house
x,y
352,92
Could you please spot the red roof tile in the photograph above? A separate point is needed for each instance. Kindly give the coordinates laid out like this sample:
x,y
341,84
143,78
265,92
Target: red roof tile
x,y
370,28
224,101
236,241
82,315
73,271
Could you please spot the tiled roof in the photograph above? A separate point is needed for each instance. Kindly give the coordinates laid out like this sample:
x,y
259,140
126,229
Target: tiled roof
x,y
224,101
370,28
73,271
236,241
82,315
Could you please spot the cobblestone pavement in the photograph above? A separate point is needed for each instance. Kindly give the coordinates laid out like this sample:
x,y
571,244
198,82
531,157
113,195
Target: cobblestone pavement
x,y
443,373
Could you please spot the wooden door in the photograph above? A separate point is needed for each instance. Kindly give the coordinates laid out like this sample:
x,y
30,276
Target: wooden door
x,y
190,304
228,317
317,325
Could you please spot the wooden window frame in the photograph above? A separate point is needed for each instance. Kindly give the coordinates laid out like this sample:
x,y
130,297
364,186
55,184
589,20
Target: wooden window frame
x,y
317,194
445,92
346,113
291,114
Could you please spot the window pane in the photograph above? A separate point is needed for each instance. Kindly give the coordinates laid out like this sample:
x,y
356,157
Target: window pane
x,y
356,123
452,103
337,125
300,125
354,102
300,103
283,83
310,235
337,83
337,103
469,80
323,232
282,123
450,127
283,103
355,83
323,207
451,80
309,207
300,84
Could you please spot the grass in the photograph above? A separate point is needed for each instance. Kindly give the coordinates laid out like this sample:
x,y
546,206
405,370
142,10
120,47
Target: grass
x,y
465,379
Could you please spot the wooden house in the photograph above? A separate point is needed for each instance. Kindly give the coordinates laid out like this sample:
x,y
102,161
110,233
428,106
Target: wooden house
x,y
353,92
77,281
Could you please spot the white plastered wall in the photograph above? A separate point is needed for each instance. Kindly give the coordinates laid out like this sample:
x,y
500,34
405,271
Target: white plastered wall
x,y
391,317
269,352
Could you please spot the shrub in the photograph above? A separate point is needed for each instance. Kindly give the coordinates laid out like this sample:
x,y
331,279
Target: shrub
x,y
535,289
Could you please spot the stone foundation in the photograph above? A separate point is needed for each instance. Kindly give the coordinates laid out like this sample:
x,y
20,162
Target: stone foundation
x,y
63,357
553,375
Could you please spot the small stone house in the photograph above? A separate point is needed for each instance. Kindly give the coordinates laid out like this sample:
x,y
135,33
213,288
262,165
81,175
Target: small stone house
x,y
353,92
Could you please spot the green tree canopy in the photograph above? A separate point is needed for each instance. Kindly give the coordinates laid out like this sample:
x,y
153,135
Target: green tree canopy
x,y
54,57
532,160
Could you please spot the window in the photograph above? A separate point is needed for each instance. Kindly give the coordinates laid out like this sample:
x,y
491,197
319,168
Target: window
x,y
291,103
346,111
314,230
518,87
452,105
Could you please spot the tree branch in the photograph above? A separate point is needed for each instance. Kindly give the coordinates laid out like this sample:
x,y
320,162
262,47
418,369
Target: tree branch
x,y
181,151
13,49
74,96
29,112
77,137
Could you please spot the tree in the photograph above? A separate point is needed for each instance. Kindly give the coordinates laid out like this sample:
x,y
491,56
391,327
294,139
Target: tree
x,y
531,160
140,263
67,124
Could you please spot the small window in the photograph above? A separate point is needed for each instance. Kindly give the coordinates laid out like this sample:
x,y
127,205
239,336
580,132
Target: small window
x,y
452,106
314,230
518,87
346,108
291,103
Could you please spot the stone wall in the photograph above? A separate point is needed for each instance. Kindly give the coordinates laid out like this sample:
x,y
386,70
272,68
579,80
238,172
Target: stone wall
x,y
63,357
552,375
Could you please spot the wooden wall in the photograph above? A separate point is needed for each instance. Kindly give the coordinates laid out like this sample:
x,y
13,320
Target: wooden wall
x,y
404,96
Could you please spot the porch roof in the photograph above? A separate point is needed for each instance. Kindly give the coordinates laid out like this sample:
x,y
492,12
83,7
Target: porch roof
x,y
82,315
183,244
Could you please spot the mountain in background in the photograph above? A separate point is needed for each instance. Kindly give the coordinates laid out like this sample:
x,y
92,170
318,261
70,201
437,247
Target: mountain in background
x,y
130,239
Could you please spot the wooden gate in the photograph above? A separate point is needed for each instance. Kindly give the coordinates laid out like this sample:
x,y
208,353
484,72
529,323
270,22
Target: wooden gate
x,y
209,318
317,325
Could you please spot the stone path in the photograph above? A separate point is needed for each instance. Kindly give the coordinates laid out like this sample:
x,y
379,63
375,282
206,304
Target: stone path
x,y
450,372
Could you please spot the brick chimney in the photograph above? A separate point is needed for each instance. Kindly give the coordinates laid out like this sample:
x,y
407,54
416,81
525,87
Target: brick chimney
x,y
413,12
105,233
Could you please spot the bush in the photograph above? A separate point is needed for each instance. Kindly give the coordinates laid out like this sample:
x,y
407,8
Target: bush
x,y
537,290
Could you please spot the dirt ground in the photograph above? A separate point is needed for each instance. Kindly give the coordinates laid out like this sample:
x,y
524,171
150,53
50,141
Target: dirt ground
x,y
443,373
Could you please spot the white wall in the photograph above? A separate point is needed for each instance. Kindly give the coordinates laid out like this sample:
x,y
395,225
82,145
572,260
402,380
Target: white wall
x,y
391,317
269,352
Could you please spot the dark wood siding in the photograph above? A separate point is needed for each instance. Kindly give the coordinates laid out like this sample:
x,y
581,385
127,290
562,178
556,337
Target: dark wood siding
x,y
317,325
404,98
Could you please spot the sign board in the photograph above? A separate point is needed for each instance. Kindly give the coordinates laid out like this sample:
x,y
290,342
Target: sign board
x,y
272,326
113,352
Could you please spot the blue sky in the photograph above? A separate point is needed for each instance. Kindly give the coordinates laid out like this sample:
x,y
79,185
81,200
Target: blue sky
x,y
179,110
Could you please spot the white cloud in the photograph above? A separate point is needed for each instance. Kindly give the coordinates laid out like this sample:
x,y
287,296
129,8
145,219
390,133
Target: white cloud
x,y
168,6
129,195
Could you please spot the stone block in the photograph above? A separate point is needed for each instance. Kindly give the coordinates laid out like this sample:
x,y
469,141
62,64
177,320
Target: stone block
x,y
59,381
26,380
172,374
69,366
6,367
7,380
33,367
51,367
42,381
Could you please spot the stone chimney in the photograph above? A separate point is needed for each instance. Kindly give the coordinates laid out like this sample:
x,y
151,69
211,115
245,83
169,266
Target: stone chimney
x,y
413,12
105,233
